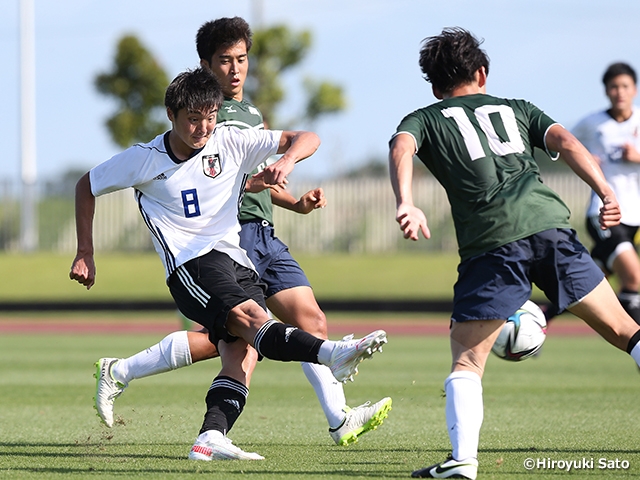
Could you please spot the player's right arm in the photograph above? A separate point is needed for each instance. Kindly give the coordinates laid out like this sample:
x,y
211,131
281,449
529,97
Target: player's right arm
x,y
411,219
559,139
83,269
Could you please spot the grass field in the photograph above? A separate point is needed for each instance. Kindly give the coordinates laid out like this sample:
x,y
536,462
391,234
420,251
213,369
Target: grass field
x,y
121,276
578,400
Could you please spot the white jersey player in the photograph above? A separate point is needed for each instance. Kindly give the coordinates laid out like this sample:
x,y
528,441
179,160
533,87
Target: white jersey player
x,y
613,137
188,184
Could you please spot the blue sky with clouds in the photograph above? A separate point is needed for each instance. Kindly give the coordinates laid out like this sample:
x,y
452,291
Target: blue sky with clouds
x,y
551,52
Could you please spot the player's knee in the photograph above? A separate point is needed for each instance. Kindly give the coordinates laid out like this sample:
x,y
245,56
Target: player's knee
x,y
317,324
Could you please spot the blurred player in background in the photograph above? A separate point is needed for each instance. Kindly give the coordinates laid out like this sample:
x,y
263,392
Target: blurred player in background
x,y
223,47
613,138
512,230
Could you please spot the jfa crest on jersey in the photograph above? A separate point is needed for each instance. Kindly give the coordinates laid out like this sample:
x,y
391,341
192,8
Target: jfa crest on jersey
x,y
211,165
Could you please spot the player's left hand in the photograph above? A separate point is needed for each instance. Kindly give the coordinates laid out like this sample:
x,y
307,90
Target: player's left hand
x,y
311,200
412,221
610,214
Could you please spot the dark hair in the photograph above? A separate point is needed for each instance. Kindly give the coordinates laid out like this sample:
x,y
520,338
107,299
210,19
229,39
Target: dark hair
x,y
223,32
452,58
196,90
616,69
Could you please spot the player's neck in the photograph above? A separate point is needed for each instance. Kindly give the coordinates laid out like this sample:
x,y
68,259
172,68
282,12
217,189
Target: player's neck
x,y
620,115
179,148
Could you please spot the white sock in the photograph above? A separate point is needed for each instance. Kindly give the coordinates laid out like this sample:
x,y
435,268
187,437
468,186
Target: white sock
x,y
635,353
465,412
172,352
329,391
326,349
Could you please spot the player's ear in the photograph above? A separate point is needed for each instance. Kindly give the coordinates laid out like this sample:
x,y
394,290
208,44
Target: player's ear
x,y
205,64
436,93
482,77
170,115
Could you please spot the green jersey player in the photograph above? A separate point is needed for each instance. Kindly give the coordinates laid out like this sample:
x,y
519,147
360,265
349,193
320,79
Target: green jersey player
x,y
512,230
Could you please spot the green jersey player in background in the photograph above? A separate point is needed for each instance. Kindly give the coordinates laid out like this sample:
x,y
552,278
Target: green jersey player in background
x,y
512,230
223,47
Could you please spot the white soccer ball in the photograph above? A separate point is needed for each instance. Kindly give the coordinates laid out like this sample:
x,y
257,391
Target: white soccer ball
x,y
522,335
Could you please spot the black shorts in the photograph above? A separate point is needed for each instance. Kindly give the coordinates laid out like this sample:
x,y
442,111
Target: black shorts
x,y
275,265
609,243
208,287
495,284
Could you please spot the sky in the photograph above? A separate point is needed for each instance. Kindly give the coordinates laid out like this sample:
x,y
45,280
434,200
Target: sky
x,y
550,52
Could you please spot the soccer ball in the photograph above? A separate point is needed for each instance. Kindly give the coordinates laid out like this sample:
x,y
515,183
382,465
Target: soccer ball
x,y
522,335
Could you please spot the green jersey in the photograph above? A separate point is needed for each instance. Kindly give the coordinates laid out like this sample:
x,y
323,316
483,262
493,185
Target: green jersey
x,y
480,148
255,206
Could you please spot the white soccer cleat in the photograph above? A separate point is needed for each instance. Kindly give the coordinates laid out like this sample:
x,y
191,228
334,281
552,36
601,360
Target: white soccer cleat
x,y
450,468
107,390
348,353
213,445
361,420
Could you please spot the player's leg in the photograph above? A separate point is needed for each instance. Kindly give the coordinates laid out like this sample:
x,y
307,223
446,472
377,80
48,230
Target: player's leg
x,y
614,252
601,310
176,350
626,266
471,344
298,306
491,285
225,402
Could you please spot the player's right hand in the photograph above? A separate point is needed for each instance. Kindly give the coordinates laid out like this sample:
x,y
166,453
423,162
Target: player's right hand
x,y
412,221
610,214
83,270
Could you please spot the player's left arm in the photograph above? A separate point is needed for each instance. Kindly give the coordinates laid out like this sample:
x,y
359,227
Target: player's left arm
x,y
559,139
295,146
307,203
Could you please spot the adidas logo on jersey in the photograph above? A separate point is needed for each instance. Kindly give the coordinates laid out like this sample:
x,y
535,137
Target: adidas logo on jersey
x,y
162,176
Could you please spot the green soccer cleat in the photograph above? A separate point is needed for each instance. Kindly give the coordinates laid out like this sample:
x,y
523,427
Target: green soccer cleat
x,y
360,420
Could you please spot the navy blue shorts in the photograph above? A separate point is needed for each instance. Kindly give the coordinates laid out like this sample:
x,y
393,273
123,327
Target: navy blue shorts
x,y
206,288
495,284
274,264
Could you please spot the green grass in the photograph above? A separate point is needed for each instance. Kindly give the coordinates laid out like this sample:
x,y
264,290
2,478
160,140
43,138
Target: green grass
x,y
578,399
122,276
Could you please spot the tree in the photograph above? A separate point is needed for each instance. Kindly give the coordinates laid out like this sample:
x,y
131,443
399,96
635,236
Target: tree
x,y
275,51
138,83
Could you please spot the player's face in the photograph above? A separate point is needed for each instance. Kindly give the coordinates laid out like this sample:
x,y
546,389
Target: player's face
x,y
190,130
621,91
230,66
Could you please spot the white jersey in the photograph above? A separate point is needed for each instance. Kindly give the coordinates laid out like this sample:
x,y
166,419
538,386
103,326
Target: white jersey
x,y
604,138
190,207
